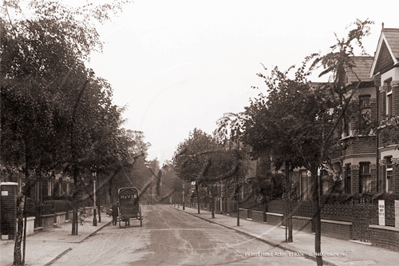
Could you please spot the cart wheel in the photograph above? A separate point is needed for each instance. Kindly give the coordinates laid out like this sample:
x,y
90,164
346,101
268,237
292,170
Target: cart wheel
x,y
141,220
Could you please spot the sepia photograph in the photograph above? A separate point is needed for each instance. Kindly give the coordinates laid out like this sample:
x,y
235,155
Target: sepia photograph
x,y
183,132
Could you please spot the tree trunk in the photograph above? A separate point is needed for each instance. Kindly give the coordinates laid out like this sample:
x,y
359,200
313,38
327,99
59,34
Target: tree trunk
x,y
238,202
18,238
213,203
316,217
198,199
98,198
75,225
288,205
110,191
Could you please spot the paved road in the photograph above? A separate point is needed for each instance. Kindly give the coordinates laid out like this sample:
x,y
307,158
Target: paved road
x,y
172,237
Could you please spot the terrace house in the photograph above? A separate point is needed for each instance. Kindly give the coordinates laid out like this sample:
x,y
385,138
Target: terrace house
x,y
357,160
385,71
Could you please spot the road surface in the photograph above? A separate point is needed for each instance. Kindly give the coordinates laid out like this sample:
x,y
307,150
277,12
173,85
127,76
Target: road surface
x,y
173,237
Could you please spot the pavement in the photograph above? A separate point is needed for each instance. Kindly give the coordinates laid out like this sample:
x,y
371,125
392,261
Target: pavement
x,y
43,248
335,251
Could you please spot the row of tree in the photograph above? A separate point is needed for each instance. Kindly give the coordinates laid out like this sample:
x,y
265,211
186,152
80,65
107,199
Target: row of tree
x,y
296,122
57,116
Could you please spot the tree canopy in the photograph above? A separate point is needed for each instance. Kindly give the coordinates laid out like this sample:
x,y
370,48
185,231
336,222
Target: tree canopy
x,y
56,114
297,120
204,159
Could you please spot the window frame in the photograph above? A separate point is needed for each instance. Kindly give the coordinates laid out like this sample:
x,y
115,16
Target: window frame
x,y
364,177
348,178
365,112
388,98
389,175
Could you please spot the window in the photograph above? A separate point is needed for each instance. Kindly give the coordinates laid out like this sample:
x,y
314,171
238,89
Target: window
x,y
56,188
364,114
388,90
49,188
346,127
389,103
64,189
364,177
389,175
348,179
364,101
71,189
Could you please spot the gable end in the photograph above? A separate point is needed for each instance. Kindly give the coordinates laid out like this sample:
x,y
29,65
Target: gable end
x,y
384,61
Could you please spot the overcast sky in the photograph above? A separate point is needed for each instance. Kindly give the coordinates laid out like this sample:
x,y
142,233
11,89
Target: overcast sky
x,y
178,65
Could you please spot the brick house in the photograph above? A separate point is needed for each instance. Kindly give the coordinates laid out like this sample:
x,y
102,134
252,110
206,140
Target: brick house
x,y
357,161
369,161
385,71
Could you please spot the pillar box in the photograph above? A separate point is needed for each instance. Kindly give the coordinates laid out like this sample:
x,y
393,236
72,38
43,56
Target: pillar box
x,y
8,209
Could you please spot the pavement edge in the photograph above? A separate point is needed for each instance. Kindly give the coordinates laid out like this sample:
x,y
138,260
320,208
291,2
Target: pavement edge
x,y
69,249
307,256
95,231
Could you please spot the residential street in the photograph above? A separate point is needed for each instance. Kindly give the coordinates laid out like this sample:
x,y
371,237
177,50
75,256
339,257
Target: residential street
x,y
172,237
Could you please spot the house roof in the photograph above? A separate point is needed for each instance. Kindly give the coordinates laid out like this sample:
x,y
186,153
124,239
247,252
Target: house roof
x,y
362,69
389,39
392,37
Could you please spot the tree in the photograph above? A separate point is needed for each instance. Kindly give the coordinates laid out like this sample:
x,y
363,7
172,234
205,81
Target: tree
x,y
170,184
303,133
203,159
42,72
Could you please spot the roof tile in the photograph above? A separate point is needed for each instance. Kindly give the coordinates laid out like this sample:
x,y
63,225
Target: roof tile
x,y
362,69
392,37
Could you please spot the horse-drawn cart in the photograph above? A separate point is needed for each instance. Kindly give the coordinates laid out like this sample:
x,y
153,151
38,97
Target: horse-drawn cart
x,y
129,205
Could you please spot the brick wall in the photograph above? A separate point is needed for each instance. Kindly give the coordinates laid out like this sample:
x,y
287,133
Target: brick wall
x,y
274,218
396,178
373,171
243,213
359,145
373,106
395,100
258,216
303,224
385,237
276,206
382,105
48,221
8,210
336,229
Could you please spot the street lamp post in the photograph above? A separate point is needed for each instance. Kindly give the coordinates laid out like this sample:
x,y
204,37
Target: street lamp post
x,y
94,199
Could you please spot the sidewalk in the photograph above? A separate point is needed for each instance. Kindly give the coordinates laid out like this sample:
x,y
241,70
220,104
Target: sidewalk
x,y
336,251
44,247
